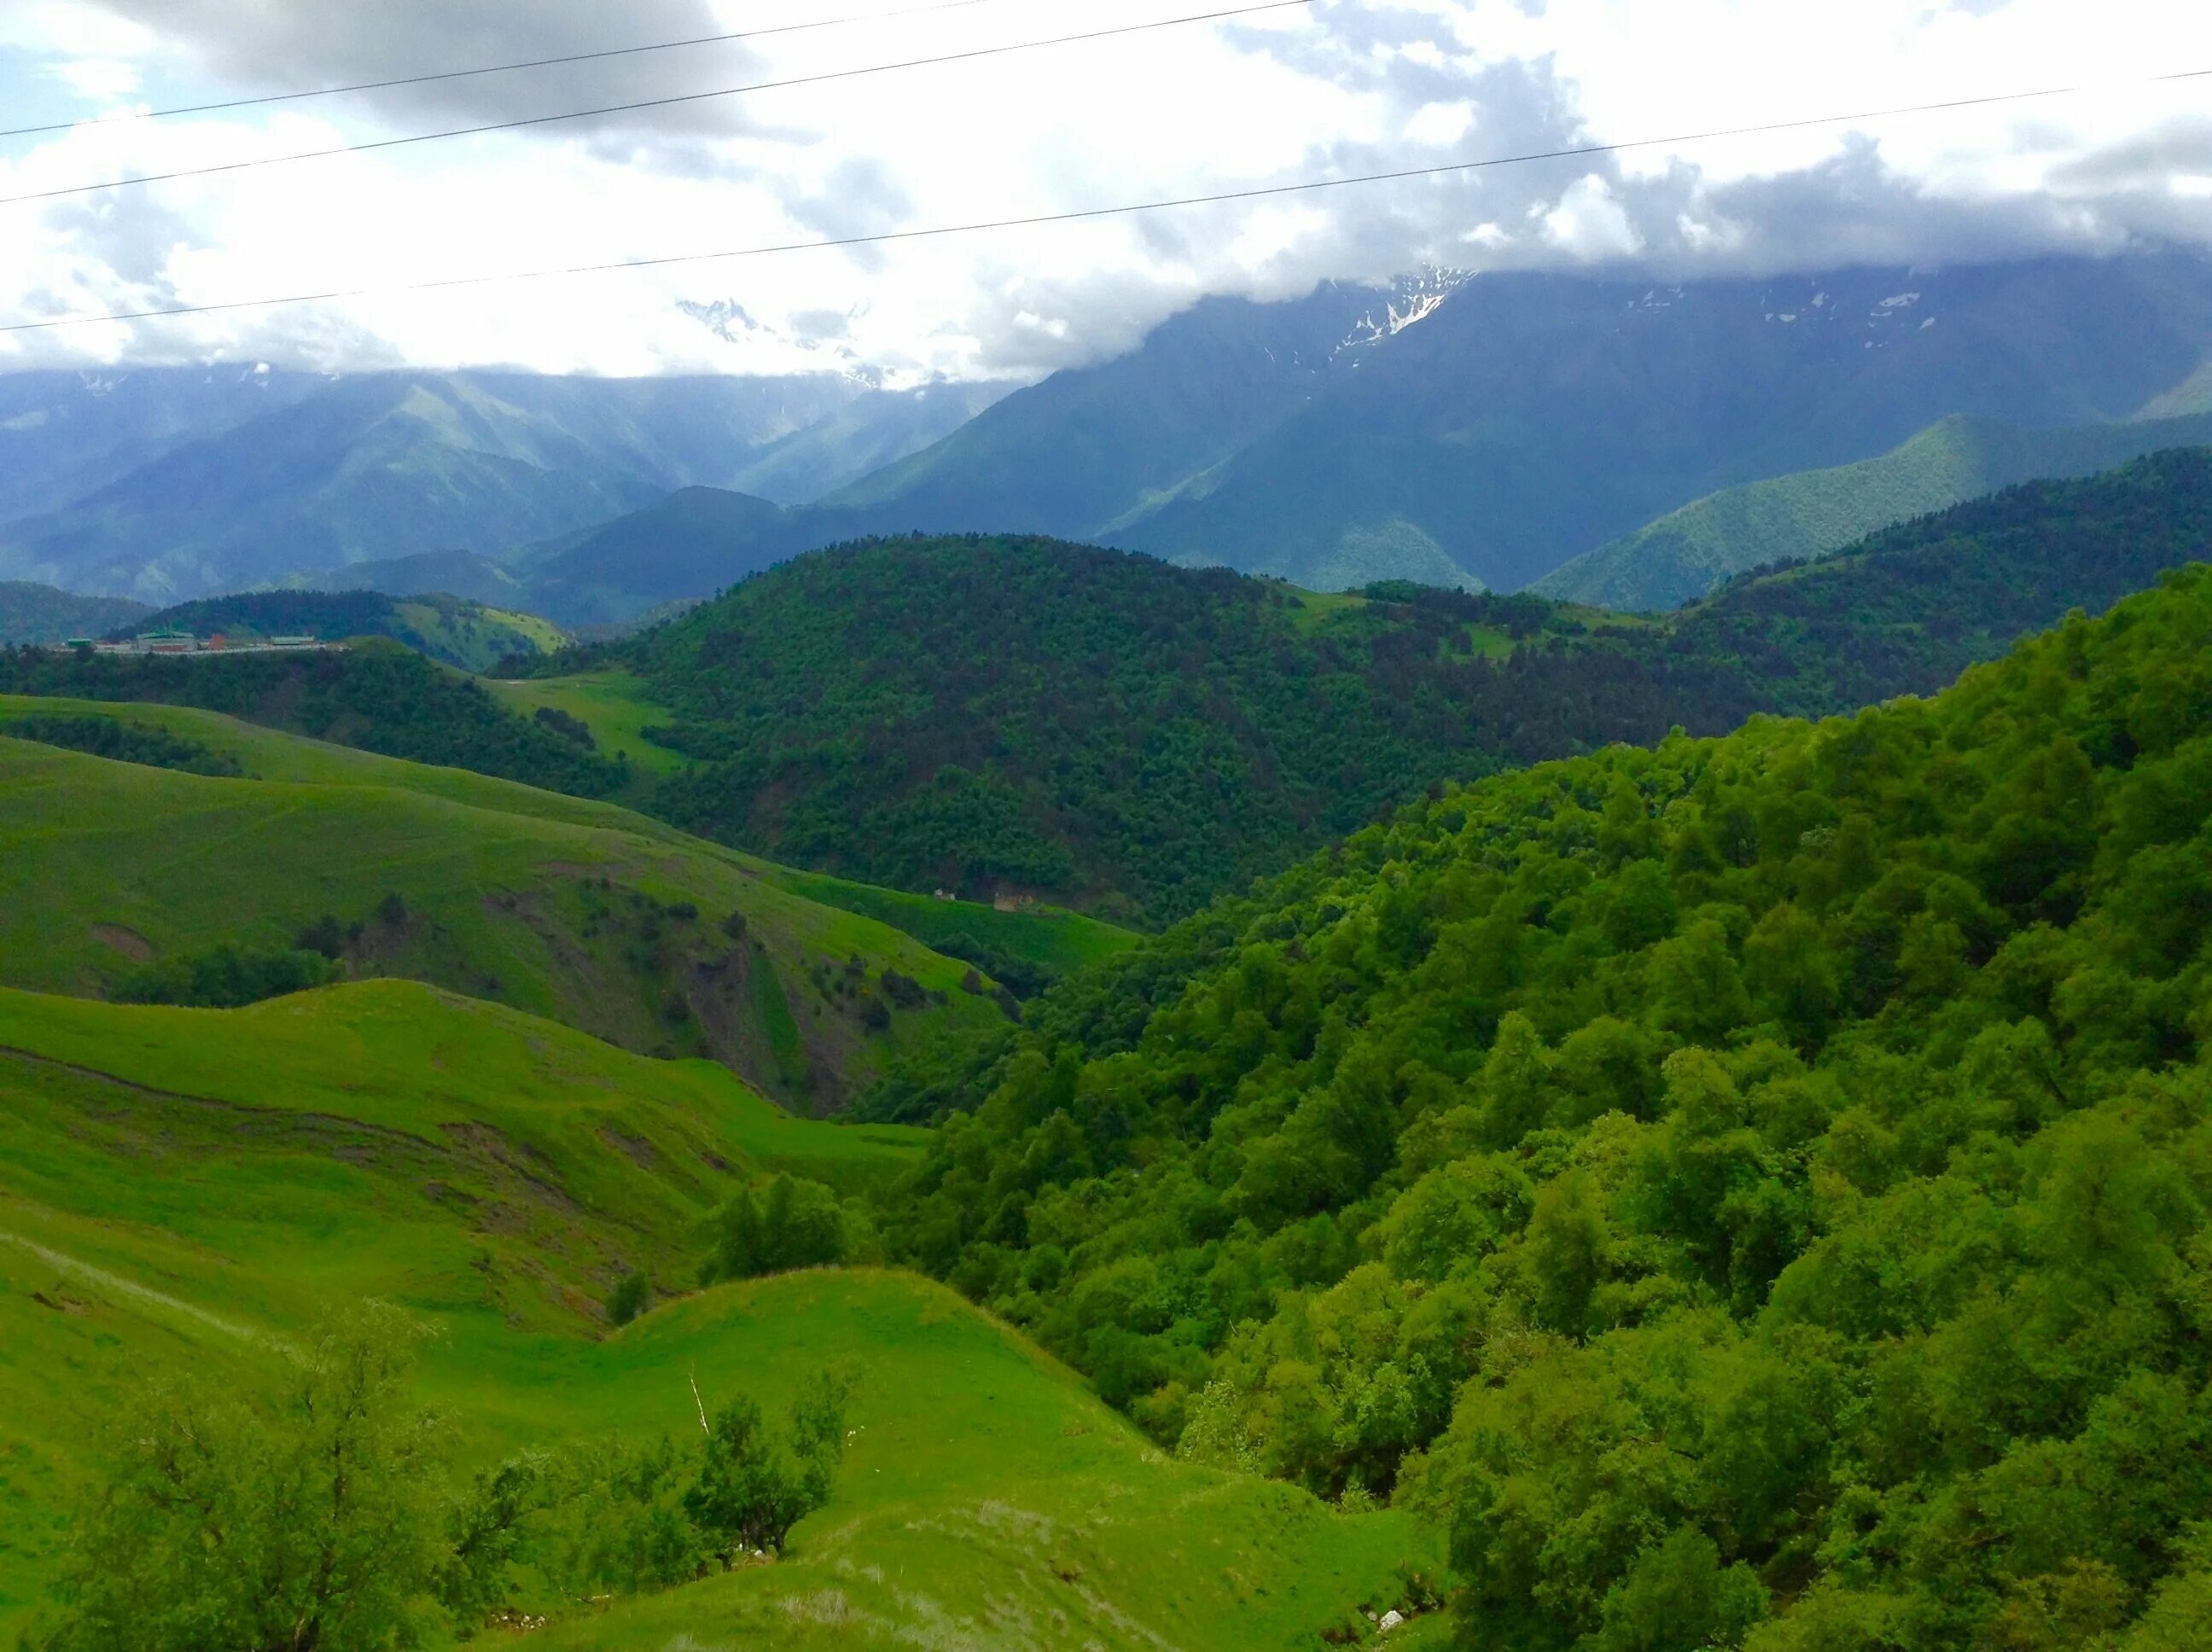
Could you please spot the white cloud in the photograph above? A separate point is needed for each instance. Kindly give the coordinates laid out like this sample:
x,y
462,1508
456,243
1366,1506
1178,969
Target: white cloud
x,y
1339,89
99,80
1590,225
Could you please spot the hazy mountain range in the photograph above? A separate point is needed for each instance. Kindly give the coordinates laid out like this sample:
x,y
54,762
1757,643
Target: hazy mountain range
x,y
1482,431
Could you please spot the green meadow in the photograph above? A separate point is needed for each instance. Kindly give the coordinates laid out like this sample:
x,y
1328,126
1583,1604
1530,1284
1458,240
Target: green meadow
x,y
612,704
182,1188
581,912
1056,940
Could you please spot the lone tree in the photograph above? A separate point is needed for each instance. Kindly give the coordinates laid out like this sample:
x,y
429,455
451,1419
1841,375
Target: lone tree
x,y
308,1521
751,1489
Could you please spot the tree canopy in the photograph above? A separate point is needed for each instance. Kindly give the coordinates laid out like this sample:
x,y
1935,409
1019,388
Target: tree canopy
x,y
1755,1191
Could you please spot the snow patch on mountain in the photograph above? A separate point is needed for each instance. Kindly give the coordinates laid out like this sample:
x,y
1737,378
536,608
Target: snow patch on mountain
x,y
1412,298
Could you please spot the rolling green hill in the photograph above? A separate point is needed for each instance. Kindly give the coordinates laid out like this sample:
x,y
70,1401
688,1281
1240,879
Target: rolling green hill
x,y
183,1188
1687,553
458,632
1754,1192
378,696
577,911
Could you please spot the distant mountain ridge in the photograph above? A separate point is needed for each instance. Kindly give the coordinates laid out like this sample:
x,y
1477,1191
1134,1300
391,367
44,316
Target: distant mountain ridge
x,y
1691,551
173,484
1454,430
1531,418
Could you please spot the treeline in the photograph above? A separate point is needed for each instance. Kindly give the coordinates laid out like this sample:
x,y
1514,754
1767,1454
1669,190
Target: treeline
x,y
1754,1192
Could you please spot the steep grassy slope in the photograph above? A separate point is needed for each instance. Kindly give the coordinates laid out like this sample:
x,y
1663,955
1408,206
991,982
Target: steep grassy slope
x,y
1688,552
1755,1190
576,911
452,630
186,1188
40,614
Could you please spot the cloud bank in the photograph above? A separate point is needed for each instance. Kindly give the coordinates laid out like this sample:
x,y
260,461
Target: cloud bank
x,y
1332,90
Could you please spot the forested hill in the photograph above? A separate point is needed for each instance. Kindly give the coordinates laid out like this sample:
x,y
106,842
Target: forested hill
x,y
1018,712
1756,1192
980,713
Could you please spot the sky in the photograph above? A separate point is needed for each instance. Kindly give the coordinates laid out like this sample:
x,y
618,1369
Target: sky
x,y
1331,89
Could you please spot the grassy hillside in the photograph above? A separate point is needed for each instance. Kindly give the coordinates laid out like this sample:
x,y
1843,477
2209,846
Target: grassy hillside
x,y
183,1188
377,696
458,632
580,912
1688,552
1755,1191
41,615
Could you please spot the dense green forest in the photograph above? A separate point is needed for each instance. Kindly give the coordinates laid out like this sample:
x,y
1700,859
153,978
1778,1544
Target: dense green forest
x,y
977,712
1752,1191
383,699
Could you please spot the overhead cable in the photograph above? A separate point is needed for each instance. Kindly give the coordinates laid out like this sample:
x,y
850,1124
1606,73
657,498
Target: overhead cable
x,y
126,115
669,102
1123,210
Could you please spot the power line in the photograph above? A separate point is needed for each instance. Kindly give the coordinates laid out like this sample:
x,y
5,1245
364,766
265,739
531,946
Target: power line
x,y
488,69
1125,210
652,103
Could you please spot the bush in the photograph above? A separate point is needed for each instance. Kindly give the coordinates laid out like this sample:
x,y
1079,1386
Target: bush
x,y
630,1298
568,727
796,1224
226,977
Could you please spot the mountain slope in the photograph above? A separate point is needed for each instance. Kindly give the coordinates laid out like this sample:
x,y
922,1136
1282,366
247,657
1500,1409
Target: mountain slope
x,y
1753,1191
292,475
1495,426
577,911
1687,553
1532,418
188,1190
43,615
691,543
1090,445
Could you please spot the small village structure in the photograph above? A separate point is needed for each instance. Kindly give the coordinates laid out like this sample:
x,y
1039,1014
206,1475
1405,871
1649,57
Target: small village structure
x,y
173,640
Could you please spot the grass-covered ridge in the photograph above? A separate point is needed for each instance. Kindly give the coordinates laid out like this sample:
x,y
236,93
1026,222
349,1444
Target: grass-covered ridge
x,y
183,1188
577,911
1755,1191
1688,552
